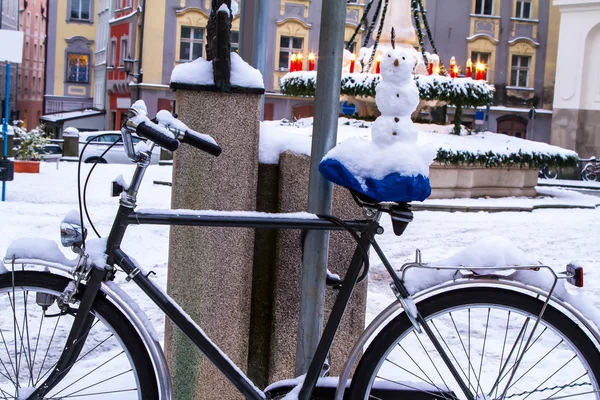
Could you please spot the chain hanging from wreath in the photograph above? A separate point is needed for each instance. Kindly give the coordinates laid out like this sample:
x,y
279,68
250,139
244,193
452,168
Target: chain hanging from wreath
x,y
419,16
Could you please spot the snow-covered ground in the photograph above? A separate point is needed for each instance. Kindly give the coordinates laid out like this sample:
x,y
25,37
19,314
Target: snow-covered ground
x,y
37,203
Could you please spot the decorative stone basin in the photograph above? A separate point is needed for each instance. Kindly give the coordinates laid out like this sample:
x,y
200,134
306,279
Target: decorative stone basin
x,y
456,181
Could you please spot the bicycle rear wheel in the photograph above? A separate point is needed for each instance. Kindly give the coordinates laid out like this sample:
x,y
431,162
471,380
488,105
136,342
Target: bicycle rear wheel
x,y
589,173
484,332
113,363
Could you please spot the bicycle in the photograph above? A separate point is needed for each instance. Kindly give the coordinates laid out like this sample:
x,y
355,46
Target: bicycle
x,y
101,324
591,170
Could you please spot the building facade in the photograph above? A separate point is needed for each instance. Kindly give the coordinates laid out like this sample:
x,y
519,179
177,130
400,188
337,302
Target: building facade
x,y
9,20
70,55
30,73
104,13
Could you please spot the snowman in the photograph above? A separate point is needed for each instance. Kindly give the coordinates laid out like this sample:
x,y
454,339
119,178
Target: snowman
x,y
397,96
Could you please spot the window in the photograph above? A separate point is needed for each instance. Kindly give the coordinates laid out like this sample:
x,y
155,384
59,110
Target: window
x,y
26,82
28,20
235,41
35,53
287,46
19,81
33,89
80,9
37,23
113,53
127,3
192,43
78,68
523,9
40,88
42,52
484,7
484,58
519,76
123,55
27,50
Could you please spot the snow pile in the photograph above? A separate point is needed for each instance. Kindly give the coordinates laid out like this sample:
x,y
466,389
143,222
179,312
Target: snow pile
x,y
277,137
392,167
37,249
71,132
244,75
166,119
200,72
197,72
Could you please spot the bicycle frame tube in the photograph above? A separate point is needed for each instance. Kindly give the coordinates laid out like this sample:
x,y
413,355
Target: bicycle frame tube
x,y
126,216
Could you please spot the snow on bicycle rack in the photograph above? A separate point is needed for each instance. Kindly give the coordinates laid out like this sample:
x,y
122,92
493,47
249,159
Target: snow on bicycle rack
x,y
499,257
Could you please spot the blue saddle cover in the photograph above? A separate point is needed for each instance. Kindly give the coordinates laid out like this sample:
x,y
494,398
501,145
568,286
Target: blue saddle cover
x,y
393,187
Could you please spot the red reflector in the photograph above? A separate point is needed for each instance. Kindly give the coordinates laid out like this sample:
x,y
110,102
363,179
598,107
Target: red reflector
x,y
575,273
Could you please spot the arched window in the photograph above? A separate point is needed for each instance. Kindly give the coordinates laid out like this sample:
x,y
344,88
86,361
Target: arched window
x,y
512,125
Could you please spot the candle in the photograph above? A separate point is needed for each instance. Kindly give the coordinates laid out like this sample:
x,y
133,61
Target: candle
x,y
453,69
436,71
378,64
469,69
480,71
430,67
454,73
293,63
299,65
311,62
352,61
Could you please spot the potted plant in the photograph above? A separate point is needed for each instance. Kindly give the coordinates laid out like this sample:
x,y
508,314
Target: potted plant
x,y
27,156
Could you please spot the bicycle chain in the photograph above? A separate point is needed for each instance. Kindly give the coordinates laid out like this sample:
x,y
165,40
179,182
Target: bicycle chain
x,y
549,388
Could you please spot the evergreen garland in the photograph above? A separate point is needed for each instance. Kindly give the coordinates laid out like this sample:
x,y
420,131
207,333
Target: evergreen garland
x,y
383,14
513,160
362,21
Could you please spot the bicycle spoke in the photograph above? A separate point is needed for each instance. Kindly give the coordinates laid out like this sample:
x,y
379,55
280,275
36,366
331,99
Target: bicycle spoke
x,y
534,365
550,377
569,384
503,348
37,342
97,383
573,395
9,358
520,336
47,350
97,393
405,385
428,356
90,372
30,364
483,353
415,375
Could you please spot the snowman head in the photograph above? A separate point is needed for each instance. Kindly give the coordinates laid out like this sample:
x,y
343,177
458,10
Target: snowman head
x,y
397,65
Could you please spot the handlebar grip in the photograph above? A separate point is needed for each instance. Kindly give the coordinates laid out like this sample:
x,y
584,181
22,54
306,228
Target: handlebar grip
x,y
205,143
158,135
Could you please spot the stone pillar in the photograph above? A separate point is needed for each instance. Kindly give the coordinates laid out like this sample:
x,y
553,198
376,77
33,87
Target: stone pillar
x,y
210,269
576,115
71,144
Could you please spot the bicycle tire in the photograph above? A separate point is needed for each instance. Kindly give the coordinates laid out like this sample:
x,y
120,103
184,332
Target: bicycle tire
x,y
392,335
589,173
123,347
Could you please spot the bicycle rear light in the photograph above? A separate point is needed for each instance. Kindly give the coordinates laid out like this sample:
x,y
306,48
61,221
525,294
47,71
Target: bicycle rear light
x,y
575,273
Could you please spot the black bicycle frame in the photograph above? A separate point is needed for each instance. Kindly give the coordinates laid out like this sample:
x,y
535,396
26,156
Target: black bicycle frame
x,y
126,216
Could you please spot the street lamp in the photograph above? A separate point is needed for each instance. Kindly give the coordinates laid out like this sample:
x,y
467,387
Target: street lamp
x,y
128,65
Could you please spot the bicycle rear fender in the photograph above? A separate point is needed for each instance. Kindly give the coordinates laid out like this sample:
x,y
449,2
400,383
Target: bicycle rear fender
x,y
504,282
138,318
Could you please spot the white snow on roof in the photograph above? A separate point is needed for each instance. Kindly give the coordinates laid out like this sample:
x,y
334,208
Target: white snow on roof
x,y
70,115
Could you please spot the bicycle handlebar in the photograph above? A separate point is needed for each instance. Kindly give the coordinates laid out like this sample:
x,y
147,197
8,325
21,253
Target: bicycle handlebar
x,y
201,142
157,134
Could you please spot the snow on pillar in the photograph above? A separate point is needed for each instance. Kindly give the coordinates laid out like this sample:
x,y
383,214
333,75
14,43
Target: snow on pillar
x,y
210,269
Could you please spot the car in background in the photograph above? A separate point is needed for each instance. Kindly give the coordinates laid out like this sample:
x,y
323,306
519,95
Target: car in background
x,y
116,155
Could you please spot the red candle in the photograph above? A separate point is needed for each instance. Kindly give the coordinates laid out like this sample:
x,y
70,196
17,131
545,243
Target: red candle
x,y
430,67
469,69
311,62
378,64
453,69
299,65
480,71
352,61
293,63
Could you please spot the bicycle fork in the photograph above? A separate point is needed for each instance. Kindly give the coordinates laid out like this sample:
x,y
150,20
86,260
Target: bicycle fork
x,y
77,336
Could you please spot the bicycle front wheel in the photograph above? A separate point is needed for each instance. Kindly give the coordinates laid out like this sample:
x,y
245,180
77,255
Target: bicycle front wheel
x,y
491,338
113,363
